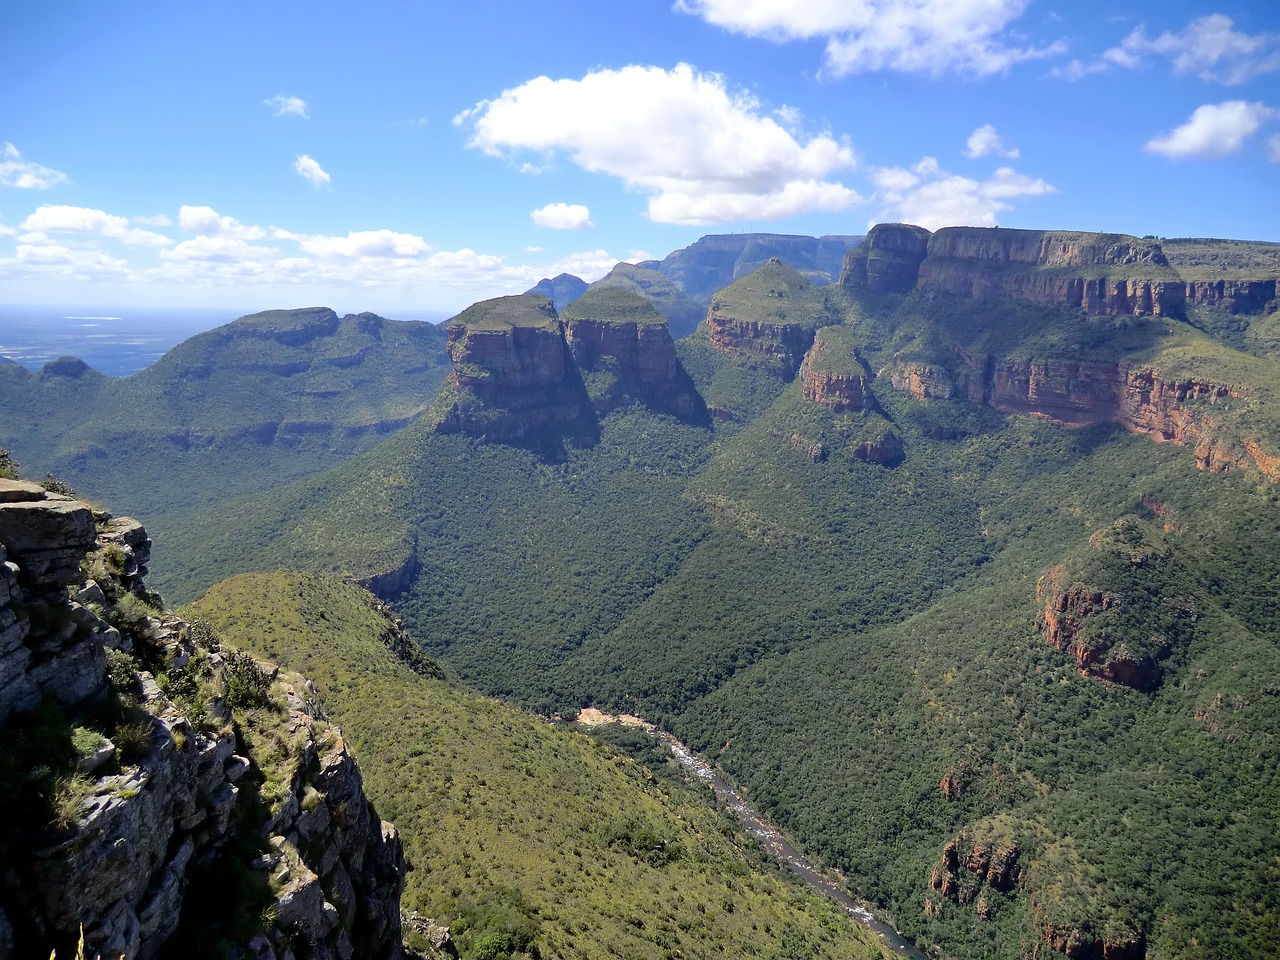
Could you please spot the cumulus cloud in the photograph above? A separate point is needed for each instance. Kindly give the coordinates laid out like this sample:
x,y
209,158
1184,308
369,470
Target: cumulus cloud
x,y
366,243
307,168
1209,47
207,222
702,152
25,175
985,142
287,106
1214,130
562,216
83,220
929,196
914,36
215,248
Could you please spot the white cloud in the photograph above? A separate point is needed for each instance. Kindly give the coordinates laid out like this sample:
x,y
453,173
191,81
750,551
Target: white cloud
x,y
915,36
1214,130
306,167
63,219
217,249
57,262
207,222
1209,47
287,106
562,216
25,175
929,196
367,243
985,142
159,220
1273,148
703,153
532,249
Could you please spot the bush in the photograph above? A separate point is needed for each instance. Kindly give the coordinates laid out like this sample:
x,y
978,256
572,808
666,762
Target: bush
x,y
57,485
8,465
133,740
248,685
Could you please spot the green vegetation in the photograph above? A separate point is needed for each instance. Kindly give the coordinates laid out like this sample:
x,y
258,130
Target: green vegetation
x,y
613,305
682,313
522,835
503,313
1202,259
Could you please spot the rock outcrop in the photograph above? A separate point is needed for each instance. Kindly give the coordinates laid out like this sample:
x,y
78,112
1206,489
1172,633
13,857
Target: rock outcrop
x,y
831,374
1077,393
141,791
888,261
1233,296
766,320
1098,273
514,380
623,337
977,862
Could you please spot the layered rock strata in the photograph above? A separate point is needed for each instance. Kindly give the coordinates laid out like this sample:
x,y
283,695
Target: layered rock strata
x,y
514,379
622,335
831,374
765,320
1098,273
1078,393
163,803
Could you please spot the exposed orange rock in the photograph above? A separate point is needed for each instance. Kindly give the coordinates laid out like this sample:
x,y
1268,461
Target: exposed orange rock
x,y
830,374
778,347
1234,296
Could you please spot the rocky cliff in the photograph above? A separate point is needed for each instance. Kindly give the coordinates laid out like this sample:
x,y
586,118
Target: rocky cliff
x,y
682,312
1181,410
514,379
623,340
831,373
766,320
162,793
1099,273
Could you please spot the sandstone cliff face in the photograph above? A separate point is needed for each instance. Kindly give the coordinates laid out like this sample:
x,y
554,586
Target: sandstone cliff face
x,y
974,863
150,812
1098,273
888,261
514,380
1077,393
831,374
1234,296
765,320
621,335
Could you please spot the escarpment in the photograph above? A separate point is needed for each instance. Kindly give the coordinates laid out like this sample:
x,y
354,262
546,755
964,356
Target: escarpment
x,y
1106,274
1142,399
162,792
831,373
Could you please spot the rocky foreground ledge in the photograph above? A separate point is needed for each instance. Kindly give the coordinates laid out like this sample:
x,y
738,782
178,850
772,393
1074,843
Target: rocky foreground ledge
x,y
163,793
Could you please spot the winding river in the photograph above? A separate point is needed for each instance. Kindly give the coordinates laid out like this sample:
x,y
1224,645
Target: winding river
x,y
772,840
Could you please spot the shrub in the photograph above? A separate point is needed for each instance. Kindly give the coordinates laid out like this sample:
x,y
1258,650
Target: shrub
x,y
248,685
67,796
133,740
8,465
57,485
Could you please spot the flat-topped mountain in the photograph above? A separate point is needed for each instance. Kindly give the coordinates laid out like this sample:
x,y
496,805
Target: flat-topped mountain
x,y
715,261
1099,273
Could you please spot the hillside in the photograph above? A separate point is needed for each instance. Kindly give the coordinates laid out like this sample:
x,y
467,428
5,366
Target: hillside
x,y
280,394
521,835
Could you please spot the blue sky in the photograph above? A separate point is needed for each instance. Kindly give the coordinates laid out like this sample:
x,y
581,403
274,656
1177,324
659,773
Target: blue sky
x,y
417,156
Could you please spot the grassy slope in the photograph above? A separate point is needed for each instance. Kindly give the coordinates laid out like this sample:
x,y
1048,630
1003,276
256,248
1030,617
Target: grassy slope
x,y
607,862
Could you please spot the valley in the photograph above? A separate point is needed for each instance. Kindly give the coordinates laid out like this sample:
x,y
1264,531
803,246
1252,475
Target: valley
x,y
959,559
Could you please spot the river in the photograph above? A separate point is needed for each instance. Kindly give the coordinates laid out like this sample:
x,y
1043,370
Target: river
x,y
772,840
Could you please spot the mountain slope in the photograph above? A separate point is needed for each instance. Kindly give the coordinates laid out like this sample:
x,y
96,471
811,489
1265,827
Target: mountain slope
x,y
523,836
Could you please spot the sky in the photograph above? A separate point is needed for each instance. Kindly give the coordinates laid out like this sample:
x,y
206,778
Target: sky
x,y
414,155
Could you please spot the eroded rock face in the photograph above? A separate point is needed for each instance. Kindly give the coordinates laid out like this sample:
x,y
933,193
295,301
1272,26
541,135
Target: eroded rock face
x,y
119,865
1098,273
513,376
888,261
1234,296
765,320
623,336
778,347
1078,393
831,374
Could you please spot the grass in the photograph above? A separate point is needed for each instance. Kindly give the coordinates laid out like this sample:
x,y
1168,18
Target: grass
x,y
607,861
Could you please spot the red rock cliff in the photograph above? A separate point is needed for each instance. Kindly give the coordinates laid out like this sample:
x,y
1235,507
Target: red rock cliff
x,y
830,374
